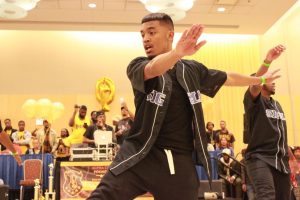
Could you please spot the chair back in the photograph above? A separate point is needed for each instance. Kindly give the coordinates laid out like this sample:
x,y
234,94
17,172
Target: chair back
x,y
32,169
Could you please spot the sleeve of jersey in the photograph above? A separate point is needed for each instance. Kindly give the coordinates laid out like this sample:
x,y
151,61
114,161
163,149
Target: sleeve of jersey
x,y
135,73
249,102
211,80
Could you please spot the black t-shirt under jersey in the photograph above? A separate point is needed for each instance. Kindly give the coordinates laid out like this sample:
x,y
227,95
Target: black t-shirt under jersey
x,y
176,132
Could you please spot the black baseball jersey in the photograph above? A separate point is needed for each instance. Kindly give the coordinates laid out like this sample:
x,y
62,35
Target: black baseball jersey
x,y
266,131
152,98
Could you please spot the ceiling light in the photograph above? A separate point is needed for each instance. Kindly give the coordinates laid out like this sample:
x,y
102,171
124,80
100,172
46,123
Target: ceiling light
x,y
15,9
92,5
175,8
221,9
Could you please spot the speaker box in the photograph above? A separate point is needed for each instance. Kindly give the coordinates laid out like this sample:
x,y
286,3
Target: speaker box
x,y
4,192
217,186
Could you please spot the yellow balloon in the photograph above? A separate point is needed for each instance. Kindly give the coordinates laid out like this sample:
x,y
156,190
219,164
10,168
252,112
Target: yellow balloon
x,y
57,110
105,92
29,108
44,107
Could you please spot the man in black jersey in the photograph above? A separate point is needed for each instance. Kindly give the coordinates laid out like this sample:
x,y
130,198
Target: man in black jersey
x,y
267,152
169,126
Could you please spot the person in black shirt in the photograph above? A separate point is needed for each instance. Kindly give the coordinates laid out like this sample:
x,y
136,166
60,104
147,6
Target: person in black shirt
x,y
211,134
123,126
169,126
88,136
267,151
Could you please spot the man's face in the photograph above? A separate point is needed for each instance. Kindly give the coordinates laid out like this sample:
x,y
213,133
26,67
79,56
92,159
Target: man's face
x,y
63,133
222,125
226,157
210,126
7,123
94,115
46,124
124,112
82,113
101,119
269,88
157,38
21,126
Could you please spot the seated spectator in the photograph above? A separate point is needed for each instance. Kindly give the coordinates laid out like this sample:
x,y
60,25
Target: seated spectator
x,y
211,134
36,147
93,117
22,137
223,132
224,145
229,171
294,162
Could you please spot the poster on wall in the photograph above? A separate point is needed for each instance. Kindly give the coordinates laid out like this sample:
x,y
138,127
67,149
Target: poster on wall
x,y
79,179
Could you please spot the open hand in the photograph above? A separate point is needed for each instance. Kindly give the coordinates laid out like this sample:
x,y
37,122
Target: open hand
x,y
271,76
187,44
274,53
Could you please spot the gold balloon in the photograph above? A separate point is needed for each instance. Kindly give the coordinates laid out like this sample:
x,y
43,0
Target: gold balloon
x,y
105,92
57,110
29,108
44,107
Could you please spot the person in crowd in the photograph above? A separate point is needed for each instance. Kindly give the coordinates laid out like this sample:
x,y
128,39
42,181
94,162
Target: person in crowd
x,y
211,134
224,145
162,139
36,147
8,129
101,125
22,137
93,117
47,138
266,134
223,132
5,140
230,172
124,125
247,186
62,152
79,123
294,163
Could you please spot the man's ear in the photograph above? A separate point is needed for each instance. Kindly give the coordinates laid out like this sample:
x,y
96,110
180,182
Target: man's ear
x,y
171,35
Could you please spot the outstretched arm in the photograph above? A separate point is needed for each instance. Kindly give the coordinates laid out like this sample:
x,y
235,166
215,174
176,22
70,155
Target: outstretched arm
x,y
187,45
261,76
272,54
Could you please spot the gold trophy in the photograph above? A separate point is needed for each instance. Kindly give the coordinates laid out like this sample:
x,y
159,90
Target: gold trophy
x,y
50,194
36,189
105,92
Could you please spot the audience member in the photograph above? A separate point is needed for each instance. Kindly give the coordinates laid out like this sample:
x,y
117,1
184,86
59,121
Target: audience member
x,y
93,117
224,145
22,137
62,151
79,123
124,125
223,132
230,172
36,147
88,136
211,134
8,129
47,138
247,187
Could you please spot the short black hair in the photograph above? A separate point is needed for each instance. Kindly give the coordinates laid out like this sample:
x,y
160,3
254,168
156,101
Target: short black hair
x,y
161,17
21,121
208,124
93,112
83,107
7,119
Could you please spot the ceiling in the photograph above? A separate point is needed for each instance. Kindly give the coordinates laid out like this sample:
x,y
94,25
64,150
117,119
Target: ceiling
x,y
240,17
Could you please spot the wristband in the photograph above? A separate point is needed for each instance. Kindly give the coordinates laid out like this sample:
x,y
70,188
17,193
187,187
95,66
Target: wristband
x,y
263,80
266,64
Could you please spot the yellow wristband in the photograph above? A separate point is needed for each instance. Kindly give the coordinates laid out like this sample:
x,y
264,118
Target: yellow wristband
x,y
263,80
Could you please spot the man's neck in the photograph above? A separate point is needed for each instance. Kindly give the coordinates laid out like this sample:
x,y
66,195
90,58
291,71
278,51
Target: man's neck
x,y
266,95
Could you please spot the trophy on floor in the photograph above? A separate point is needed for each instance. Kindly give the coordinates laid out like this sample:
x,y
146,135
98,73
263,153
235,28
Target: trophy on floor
x,y
50,194
36,189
